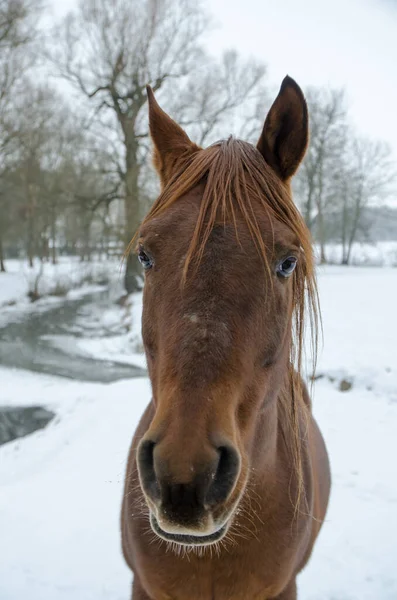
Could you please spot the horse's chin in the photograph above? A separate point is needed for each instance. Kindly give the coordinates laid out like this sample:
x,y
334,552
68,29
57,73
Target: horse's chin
x,y
189,539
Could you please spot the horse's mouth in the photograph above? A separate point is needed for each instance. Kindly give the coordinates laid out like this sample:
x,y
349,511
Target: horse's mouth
x,y
188,540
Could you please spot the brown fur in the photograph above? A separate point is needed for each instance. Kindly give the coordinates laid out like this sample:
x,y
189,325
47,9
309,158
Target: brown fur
x,y
223,336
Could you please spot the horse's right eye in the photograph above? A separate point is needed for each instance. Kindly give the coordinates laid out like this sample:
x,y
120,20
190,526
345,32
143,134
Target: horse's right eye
x,y
287,266
144,258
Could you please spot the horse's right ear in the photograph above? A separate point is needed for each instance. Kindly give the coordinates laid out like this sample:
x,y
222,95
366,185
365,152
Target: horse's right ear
x,y
285,133
171,143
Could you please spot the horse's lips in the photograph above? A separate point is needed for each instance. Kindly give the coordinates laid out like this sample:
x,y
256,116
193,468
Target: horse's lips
x,y
188,540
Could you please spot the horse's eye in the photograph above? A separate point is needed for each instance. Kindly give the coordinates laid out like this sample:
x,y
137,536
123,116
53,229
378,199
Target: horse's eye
x,y
286,268
144,258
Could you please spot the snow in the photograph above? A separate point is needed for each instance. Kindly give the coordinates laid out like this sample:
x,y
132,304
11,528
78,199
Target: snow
x,y
355,556
360,331
124,347
111,333
65,277
377,254
61,490
62,486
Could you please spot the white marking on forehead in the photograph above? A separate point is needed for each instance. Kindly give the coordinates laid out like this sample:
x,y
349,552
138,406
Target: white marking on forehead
x,y
204,330
193,318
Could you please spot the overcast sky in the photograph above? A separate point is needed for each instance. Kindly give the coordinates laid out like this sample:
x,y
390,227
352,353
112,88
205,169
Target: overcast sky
x,y
349,43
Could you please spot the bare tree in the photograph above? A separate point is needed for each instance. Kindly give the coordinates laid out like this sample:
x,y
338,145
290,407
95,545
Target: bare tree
x,y
365,181
37,123
42,130
57,175
18,21
18,30
6,219
92,189
314,184
110,50
209,102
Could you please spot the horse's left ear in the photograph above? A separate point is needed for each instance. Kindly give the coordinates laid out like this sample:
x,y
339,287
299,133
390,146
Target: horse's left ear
x,y
171,143
285,134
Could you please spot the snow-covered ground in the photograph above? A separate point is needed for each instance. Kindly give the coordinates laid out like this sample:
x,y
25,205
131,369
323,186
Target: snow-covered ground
x,y
61,487
124,347
377,254
69,277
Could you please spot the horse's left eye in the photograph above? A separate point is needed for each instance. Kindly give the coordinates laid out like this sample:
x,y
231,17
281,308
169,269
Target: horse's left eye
x,y
144,258
286,268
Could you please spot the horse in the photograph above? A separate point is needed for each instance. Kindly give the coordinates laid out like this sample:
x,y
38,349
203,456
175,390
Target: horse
x,y
228,479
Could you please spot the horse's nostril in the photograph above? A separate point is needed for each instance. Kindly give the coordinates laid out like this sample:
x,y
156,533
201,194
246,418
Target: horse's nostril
x,y
184,495
147,473
225,476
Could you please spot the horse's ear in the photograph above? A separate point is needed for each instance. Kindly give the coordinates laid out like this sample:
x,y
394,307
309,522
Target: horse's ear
x,y
285,134
171,143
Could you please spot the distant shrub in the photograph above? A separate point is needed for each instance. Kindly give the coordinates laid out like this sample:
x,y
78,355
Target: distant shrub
x,y
60,289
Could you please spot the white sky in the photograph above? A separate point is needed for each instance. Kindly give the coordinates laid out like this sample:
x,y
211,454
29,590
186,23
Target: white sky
x,y
349,43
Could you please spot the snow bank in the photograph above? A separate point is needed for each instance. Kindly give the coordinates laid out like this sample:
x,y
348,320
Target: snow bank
x,y
61,279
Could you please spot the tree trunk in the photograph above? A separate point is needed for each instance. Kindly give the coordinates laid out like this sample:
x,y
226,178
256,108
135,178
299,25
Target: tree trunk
x,y
354,229
53,253
87,239
308,216
321,235
30,250
348,255
31,234
352,239
320,218
323,258
44,249
53,236
132,278
308,209
344,229
2,266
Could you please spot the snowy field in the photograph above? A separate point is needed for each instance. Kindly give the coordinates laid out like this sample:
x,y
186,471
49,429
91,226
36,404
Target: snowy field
x,y
61,487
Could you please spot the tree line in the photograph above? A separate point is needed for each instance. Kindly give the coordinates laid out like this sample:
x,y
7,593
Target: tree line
x,y
75,173
343,173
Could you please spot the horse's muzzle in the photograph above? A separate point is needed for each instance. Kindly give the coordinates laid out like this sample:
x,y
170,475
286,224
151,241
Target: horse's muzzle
x,y
186,504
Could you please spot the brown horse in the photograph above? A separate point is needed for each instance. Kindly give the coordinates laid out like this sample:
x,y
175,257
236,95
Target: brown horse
x,y
228,480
